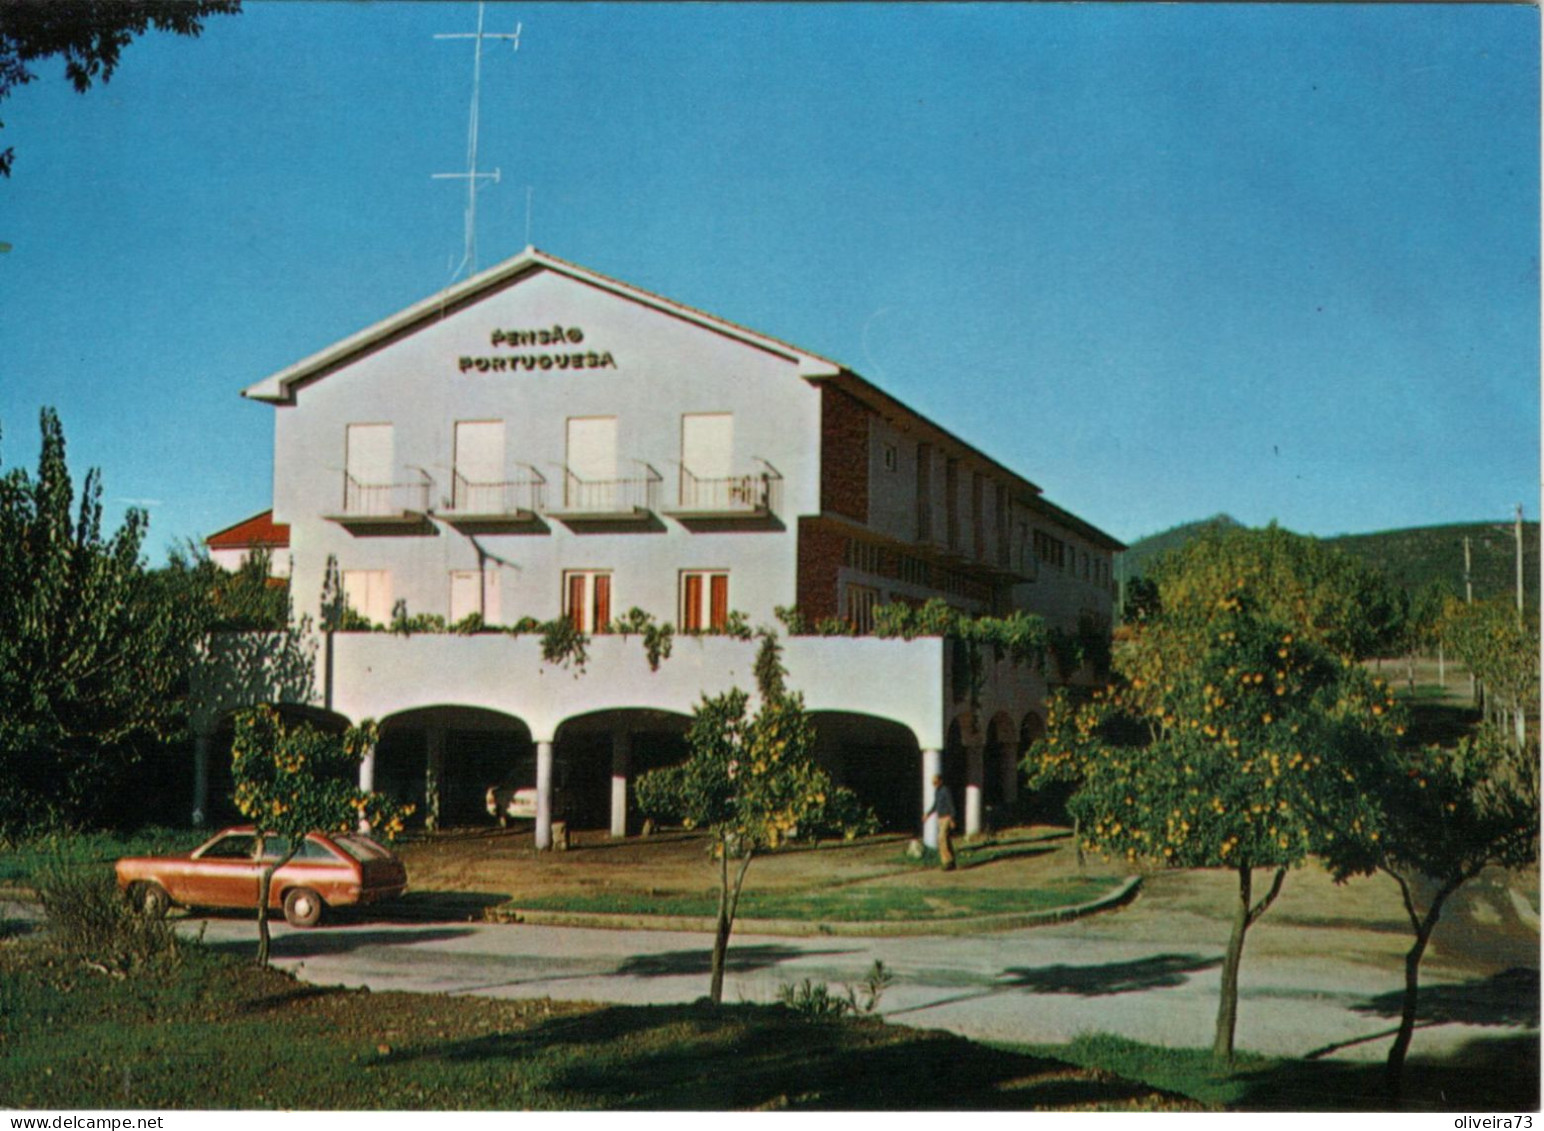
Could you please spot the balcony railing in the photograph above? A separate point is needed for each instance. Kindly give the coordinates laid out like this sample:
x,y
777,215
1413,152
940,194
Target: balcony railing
x,y
523,495
758,493
384,500
611,497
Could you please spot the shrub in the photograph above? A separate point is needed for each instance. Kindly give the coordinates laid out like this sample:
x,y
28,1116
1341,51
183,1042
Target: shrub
x,y
815,999
90,921
812,999
562,643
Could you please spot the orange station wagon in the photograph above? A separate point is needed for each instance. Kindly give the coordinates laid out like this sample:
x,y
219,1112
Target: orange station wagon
x,y
330,870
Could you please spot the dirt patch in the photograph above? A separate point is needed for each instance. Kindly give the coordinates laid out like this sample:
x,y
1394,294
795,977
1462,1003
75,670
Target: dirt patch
x,y
507,864
1491,925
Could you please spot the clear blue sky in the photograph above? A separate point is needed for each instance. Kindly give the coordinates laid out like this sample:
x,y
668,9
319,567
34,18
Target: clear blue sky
x,y
1166,261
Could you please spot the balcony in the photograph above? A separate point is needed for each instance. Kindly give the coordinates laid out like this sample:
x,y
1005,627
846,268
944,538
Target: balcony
x,y
478,505
609,501
401,507
751,499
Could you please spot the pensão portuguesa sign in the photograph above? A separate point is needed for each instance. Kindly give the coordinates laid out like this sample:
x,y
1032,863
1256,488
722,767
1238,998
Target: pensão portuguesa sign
x,y
554,336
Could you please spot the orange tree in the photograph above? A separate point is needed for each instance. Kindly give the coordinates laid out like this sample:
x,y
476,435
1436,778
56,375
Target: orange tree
x,y
291,781
1210,751
1501,649
1324,594
751,781
1441,815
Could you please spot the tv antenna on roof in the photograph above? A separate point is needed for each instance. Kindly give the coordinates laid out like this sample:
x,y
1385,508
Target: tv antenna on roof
x,y
472,175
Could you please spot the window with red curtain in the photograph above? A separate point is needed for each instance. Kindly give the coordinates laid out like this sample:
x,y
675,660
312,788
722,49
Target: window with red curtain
x,y
691,602
602,602
718,613
587,600
576,602
704,600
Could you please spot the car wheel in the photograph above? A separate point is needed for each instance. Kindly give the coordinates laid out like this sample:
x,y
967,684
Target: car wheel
x,y
302,907
150,900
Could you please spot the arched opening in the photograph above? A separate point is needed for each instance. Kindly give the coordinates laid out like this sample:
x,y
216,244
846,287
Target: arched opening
x,y
955,766
1048,804
1000,772
442,760
878,759
597,758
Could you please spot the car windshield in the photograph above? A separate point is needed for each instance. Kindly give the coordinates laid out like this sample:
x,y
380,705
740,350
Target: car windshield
x,y
362,848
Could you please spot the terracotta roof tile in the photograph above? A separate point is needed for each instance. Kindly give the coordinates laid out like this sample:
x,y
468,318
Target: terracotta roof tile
x,y
259,530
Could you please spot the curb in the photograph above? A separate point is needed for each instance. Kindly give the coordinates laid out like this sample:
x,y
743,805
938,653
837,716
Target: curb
x,y
1125,893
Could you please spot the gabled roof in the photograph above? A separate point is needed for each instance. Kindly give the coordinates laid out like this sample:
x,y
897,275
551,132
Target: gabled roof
x,y
280,387
259,530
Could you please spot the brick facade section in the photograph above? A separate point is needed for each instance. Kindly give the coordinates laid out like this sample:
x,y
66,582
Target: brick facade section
x,y
844,455
821,551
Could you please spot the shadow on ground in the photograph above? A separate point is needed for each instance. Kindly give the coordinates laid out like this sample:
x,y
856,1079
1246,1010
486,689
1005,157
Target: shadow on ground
x,y
1487,1074
970,857
1441,724
430,907
1155,973
1159,972
698,1058
305,944
1508,998
15,928
739,960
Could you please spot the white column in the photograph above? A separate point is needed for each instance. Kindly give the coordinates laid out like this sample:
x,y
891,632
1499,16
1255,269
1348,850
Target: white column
x,y
973,777
367,770
621,751
367,779
932,766
434,773
544,795
200,777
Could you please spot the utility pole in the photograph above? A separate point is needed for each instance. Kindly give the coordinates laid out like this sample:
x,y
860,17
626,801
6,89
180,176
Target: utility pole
x,y
472,176
1474,686
1517,533
1468,576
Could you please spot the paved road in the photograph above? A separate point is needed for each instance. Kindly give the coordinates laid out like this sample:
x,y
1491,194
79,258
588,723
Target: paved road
x,y
1039,984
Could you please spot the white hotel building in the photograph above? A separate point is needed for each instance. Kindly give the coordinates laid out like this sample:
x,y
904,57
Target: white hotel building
x,y
543,441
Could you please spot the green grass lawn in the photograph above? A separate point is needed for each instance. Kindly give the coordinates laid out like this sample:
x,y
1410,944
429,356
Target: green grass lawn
x,y
1500,1074
851,903
209,1033
21,860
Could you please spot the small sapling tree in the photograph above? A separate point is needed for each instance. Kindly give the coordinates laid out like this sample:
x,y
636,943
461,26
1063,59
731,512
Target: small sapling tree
x,y
1209,752
1441,815
751,781
1501,649
294,780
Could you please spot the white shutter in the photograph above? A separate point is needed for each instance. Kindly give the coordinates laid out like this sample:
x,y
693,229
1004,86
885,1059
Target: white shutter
x,y
592,463
368,592
707,444
463,595
592,447
370,453
479,460
368,458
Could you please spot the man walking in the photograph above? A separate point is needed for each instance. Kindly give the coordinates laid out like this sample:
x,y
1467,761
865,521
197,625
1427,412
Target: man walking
x,y
943,807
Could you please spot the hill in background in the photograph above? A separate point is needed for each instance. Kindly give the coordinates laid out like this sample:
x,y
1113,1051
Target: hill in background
x,y
1413,558
1139,557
